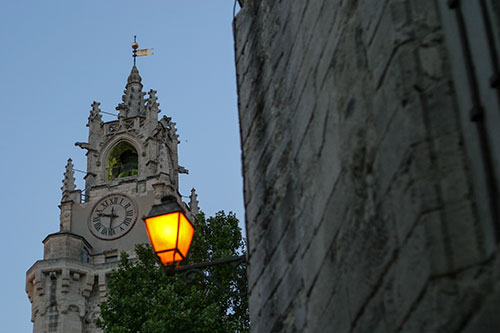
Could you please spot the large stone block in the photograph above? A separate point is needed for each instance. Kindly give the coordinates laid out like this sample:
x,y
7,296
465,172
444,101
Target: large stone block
x,y
486,319
373,318
410,274
404,132
335,316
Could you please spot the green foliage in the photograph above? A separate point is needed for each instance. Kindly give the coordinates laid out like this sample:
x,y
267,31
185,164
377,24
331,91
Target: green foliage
x,y
142,298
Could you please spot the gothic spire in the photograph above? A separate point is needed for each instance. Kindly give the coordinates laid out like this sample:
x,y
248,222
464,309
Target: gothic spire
x,y
69,179
95,113
133,98
193,202
152,101
134,76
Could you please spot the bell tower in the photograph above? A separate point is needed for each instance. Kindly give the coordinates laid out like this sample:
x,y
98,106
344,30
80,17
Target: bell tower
x,y
132,163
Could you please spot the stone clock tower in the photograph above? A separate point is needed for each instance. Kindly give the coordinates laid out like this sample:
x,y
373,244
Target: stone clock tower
x,y
131,165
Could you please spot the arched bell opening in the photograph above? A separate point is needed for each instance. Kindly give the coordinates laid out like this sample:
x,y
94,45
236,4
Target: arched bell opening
x,y
123,161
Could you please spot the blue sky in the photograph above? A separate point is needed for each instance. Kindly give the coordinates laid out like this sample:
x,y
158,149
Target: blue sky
x,y
57,58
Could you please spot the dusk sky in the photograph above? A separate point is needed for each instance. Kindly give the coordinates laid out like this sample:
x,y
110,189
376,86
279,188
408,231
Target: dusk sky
x,y
60,56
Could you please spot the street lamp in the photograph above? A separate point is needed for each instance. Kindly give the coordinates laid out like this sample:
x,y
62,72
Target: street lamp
x,y
170,233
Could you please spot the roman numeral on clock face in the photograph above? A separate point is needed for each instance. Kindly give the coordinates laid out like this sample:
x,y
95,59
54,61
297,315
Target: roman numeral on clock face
x,y
112,217
127,221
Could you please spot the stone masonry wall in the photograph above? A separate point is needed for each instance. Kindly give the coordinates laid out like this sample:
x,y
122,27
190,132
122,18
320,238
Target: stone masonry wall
x,y
359,206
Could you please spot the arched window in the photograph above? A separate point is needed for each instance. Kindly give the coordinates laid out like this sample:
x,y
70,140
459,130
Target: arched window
x,y
122,161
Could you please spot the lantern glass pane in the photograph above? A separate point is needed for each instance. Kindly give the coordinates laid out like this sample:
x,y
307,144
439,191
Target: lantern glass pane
x,y
168,257
178,257
186,231
162,231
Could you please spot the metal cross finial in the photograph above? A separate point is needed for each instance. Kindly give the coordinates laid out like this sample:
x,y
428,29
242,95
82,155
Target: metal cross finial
x,y
139,53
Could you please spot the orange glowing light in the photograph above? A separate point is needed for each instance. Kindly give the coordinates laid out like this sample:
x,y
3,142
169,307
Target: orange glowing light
x,y
171,235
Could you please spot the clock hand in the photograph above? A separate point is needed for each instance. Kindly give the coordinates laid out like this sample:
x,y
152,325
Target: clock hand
x,y
108,215
111,216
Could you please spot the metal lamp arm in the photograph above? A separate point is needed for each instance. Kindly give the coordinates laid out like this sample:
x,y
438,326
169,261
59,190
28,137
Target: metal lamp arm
x,y
193,269
205,264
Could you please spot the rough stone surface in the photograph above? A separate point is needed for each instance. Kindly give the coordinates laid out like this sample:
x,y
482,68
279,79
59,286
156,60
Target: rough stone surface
x,y
364,207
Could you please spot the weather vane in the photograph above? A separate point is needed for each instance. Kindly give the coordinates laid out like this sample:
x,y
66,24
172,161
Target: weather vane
x,y
139,53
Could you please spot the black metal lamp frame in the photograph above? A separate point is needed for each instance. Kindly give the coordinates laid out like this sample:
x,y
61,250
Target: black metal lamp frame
x,y
190,271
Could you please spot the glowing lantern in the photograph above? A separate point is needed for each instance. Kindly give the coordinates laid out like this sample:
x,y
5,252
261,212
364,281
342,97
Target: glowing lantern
x,y
169,231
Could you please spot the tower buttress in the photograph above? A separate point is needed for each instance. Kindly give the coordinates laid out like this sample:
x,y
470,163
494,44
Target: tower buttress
x,y
152,110
96,134
193,202
69,180
69,196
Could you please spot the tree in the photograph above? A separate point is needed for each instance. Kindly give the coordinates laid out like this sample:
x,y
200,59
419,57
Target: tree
x,y
142,298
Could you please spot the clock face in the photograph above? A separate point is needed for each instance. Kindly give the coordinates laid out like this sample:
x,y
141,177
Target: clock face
x,y
113,216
